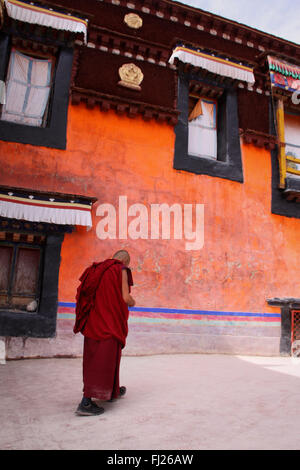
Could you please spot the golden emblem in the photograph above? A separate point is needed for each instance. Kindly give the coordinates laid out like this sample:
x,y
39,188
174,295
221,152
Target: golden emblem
x,y
131,76
133,20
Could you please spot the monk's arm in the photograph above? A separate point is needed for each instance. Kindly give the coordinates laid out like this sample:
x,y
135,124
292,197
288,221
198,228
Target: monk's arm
x,y
125,290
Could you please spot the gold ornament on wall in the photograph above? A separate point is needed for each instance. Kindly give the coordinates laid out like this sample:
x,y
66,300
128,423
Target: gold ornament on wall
x,y
133,20
131,76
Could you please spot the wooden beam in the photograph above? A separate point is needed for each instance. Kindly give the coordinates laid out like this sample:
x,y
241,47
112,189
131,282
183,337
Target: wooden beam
x,y
293,159
293,171
281,149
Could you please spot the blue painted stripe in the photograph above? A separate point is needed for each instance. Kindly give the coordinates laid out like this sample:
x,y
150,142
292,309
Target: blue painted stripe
x,y
203,312
189,312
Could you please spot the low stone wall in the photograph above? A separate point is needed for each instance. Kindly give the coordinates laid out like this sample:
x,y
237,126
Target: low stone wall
x,y
149,336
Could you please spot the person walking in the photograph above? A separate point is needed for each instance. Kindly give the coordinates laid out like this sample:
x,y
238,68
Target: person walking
x,y
102,302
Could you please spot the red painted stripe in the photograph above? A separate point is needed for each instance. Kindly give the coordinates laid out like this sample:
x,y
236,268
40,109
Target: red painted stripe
x,y
66,310
203,317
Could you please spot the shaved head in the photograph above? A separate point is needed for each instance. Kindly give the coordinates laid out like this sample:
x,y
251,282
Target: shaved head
x,y
122,255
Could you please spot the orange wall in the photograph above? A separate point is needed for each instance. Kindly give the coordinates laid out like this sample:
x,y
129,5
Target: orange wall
x,y
249,254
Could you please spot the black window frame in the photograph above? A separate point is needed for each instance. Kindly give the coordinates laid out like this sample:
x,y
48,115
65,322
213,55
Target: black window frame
x,y
53,135
42,323
228,164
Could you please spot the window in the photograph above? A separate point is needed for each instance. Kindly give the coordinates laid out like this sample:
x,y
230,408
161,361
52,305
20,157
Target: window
x,y
288,129
28,86
207,134
37,91
202,127
20,272
29,267
292,143
285,160
285,125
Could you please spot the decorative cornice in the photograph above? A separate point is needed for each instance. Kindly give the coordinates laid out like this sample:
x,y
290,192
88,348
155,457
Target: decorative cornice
x,y
191,17
259,139
24,226
126,45
135,48
210,91
123,106
33,46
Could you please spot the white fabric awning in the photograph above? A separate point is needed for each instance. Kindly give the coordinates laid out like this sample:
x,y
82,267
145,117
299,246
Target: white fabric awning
x,y
214,64
29,13
35,209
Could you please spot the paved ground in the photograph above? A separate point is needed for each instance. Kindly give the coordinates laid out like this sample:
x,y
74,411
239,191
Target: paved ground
x,y
173,402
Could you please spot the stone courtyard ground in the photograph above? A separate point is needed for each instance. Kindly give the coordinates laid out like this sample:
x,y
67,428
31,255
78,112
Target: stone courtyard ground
x,y
172,402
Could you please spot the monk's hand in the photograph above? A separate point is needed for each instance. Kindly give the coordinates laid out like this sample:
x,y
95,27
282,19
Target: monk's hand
x,y
131,302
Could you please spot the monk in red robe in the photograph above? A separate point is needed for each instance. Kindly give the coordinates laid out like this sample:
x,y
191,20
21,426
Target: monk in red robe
x,y
102,314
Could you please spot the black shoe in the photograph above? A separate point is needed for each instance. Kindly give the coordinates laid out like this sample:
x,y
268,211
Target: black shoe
x,y
89,410
122,391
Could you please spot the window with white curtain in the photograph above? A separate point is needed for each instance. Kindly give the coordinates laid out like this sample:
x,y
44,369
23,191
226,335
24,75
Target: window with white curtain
x,y
28,87
202,141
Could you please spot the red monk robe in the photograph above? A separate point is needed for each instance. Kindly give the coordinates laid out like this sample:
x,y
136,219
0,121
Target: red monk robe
x,y
102,317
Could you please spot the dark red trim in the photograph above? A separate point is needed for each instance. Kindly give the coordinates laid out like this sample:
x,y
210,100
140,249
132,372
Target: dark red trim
x,y
16,201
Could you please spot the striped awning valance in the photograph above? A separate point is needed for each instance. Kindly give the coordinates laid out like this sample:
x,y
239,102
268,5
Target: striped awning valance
x,y
220,66
16,203
28,12
283,74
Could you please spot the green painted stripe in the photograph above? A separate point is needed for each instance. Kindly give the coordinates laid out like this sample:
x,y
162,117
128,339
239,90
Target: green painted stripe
x,y
184,322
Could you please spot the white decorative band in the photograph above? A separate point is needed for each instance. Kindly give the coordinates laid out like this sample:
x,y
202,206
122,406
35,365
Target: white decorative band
x,y
34,213
27,13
